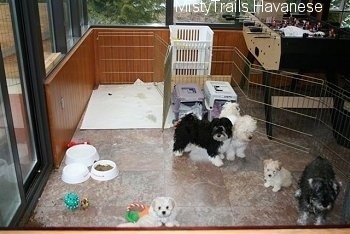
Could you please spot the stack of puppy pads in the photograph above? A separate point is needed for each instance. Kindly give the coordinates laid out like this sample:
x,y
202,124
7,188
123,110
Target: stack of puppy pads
x,y
189,98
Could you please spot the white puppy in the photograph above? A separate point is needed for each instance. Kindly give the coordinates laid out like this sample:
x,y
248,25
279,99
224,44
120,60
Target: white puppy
x,y
161,212
231,111
242,134
275,175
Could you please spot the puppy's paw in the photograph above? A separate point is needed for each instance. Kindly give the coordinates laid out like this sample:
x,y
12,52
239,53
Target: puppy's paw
x,y
302,220
241,155
231,156
189,148
158,224
276,188
172,224
217,161
319,220
266,185
178,153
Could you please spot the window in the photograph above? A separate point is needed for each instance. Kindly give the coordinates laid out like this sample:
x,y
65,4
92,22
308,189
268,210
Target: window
x,y
51,58
67,23
340,12
205,11
212,11
84,21
124,12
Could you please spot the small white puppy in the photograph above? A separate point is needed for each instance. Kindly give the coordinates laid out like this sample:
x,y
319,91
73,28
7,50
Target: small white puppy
x,y
161,212
242,133
275,175
231,111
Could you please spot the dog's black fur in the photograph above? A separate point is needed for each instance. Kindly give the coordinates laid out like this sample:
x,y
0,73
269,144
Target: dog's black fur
x,y
192,130
318,190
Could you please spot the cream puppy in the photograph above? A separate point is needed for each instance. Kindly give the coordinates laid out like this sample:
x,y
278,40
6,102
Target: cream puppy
x,y
275,175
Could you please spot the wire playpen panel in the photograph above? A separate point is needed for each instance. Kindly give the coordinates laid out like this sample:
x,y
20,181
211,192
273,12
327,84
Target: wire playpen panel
x,y
303,112
308,114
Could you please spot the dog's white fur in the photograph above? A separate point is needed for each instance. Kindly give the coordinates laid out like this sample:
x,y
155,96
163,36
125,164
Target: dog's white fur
x,y
275,175
242,133
161,212
231,111
217,161
243,129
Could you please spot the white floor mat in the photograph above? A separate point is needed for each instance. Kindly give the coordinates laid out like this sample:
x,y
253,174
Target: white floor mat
x,y
138,105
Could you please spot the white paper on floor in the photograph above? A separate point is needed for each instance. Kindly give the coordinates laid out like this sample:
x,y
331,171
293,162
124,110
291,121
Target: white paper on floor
x,y
138,105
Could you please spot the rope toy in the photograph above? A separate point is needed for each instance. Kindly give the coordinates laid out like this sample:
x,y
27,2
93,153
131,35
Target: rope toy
x,y
84,203
135,211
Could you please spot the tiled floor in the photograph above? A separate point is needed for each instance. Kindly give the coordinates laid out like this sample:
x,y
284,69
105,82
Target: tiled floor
x,y
232,195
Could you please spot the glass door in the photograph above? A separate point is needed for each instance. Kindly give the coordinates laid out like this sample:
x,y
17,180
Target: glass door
x,y
25,147
15,80
10,195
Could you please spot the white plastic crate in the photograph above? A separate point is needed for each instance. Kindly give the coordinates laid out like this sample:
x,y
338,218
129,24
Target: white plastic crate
x,y
192,49
216,93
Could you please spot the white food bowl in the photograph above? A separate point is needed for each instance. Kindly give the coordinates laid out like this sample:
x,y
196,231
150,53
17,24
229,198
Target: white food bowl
x,y
75,173
82,153
101,174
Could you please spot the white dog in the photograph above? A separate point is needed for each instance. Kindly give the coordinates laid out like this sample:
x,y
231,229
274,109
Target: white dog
x,y
161,212
242,130
242,134
275,175
231,111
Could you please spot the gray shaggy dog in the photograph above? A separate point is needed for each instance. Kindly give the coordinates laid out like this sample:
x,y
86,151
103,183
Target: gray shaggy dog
x,y
318,190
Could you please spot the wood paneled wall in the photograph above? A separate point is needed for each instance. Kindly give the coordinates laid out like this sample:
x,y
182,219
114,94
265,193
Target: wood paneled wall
x,y
125,55
69,86
223,44
68,89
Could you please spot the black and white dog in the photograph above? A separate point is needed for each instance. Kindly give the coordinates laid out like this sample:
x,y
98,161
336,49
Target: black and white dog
x,y
213,136
318,190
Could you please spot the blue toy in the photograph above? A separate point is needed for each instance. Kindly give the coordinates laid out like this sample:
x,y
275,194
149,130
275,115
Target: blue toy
x,y
71,201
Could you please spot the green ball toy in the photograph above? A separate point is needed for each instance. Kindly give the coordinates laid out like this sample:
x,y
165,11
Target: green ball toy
x,y
132,216
71,201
